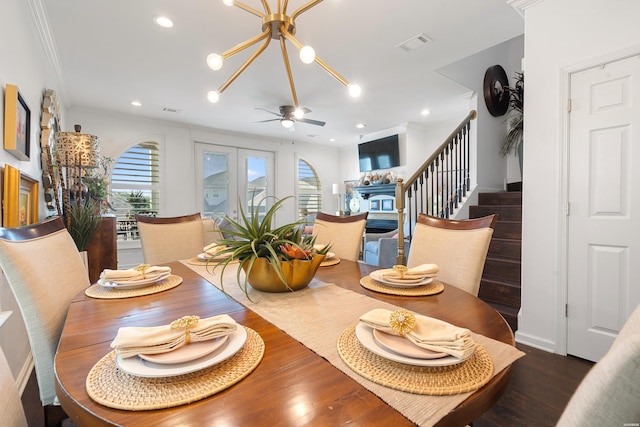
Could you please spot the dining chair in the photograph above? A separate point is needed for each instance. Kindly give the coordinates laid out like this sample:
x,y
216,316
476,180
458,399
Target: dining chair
x,y
458,247
609,395
166,239
12,413
45,271
343,233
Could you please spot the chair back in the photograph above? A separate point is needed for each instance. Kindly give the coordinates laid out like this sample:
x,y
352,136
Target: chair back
x,y
459,247
211,231
45,272
12,413
343,233
609,395
166,239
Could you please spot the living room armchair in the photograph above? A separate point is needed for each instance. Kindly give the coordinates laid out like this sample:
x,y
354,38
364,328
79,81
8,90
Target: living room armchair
x,y
381,249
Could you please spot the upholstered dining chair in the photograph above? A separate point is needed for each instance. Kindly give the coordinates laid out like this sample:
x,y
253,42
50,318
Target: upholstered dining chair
x,y
609,395
12,413
44,271
459,247
166,239
343,233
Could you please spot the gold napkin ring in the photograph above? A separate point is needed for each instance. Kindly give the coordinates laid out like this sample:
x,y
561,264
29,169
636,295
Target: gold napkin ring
x,y
142,268
402,269
402,321
186,323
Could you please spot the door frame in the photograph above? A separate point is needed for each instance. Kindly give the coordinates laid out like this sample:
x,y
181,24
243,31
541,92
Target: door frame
x,y
563,259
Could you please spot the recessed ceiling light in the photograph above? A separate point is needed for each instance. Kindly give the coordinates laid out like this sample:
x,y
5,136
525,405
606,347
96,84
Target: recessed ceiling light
x,y
332,140
360,125
425,112
163,21
136,103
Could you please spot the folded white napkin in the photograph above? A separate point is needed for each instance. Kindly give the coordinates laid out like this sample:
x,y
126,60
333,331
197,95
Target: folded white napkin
x,y
418,272
432,334
213,248
143,271
131,341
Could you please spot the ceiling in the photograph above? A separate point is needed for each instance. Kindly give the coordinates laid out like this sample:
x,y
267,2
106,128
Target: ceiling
x,y
110,53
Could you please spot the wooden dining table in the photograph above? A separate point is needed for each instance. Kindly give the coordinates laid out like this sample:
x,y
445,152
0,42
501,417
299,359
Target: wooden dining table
x,y
292,385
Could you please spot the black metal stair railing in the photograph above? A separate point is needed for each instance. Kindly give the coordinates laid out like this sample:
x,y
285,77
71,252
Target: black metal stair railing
x,y
438,186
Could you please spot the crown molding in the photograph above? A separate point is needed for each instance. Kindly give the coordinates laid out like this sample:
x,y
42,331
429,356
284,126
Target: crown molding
x,y
521,5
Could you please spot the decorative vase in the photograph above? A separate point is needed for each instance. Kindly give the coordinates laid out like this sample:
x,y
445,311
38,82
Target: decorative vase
x,y
297,273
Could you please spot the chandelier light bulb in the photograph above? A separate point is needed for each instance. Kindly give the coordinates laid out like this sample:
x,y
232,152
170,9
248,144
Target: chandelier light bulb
x,y
307,54
287,123
214,61
298,113
354,90
228,2
213,96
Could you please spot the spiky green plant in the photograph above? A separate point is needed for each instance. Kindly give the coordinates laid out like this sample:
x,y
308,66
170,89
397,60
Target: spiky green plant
x,y
84,220
256,238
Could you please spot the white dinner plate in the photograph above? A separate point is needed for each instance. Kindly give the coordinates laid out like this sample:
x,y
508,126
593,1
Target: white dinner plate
x,y
133,284
378,276
404,347
329,255
364,334
143,368
186,353
204,256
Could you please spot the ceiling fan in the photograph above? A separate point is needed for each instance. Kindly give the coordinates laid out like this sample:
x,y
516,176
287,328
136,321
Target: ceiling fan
x,y
288,115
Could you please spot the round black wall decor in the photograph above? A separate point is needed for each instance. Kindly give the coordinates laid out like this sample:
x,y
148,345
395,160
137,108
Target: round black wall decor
x,y
496,90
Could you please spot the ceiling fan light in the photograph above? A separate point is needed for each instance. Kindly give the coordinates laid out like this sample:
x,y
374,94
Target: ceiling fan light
x,y
287,123
213,96
298,113
354,90
228,2
307,54
214,61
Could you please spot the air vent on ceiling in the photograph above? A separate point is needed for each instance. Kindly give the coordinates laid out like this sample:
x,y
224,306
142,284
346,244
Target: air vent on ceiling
x,y
414,42
171,110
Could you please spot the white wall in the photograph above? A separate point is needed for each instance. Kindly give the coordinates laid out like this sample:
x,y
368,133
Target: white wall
x,y
560,35
25,65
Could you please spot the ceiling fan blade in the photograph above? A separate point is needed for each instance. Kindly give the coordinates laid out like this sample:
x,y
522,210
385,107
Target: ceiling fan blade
x,y
311,122
270,120
272,112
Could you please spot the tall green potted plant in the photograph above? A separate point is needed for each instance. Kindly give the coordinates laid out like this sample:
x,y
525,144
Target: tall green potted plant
x,y
513,140
84,219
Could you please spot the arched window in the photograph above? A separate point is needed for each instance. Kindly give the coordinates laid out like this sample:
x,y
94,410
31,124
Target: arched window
x,y
309,192
135,185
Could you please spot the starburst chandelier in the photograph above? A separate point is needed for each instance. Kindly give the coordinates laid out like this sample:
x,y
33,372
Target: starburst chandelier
x,y
277,26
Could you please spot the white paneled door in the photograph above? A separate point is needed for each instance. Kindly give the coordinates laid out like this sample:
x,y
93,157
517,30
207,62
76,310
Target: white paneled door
x,y
229,177
604,205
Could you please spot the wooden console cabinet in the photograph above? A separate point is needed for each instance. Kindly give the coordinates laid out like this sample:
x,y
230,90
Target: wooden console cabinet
x,y
102,250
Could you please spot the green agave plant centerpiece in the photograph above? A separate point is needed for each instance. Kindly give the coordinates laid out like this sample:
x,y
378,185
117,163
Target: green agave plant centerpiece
x,y
273,259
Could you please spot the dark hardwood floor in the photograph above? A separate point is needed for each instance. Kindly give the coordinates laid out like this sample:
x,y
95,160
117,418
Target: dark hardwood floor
x,y
540,388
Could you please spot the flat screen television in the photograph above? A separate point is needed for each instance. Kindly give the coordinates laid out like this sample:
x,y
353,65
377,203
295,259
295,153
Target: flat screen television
x,y
383,153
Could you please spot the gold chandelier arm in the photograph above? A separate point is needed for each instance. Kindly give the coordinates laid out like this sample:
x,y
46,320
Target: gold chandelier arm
x,y
246,63
285,58
252,10
320,62
304,8
245,44
265,5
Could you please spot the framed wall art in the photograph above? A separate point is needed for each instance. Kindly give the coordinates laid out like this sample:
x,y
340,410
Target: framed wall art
x,y
387,205
20,198
17,124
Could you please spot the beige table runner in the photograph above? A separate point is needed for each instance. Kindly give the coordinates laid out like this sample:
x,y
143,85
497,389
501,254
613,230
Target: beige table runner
x,y
317,315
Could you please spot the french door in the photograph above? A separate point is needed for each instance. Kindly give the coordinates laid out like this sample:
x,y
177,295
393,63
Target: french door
x,y
228,178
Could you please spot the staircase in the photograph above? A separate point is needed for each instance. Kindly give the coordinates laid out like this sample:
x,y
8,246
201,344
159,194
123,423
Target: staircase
x,y
500,284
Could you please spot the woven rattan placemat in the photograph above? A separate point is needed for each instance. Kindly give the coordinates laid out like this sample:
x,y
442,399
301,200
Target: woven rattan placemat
x,y
329,262
97,291
432,288
467,376
109,386
198,261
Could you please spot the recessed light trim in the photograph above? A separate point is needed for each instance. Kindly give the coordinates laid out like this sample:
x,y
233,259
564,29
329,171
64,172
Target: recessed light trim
x,y
136,103
360,125
425,112
163,21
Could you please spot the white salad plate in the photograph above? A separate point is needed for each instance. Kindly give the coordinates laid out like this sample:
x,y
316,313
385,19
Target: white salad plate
x,y
364,334
204,256
143,368
133,284
377,275
186,353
